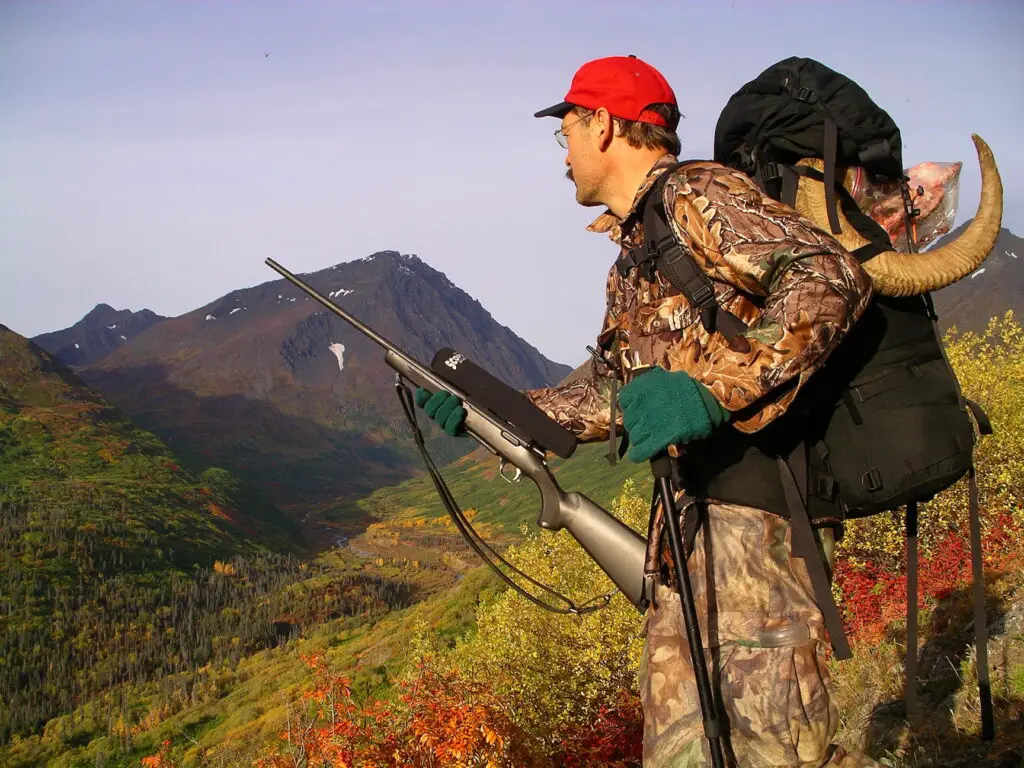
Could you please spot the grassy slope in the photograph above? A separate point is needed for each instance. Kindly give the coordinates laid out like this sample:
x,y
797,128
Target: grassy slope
x,y
62,445
238,710
238,714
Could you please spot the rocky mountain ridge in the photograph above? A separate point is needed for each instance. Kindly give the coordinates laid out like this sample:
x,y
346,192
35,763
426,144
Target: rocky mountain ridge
x,y
101,331
266,382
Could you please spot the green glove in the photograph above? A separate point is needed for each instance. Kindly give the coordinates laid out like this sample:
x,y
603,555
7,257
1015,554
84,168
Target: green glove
x,y
444,408
662,408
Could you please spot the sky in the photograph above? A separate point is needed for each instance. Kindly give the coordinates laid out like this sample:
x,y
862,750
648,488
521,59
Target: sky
x,y
153,154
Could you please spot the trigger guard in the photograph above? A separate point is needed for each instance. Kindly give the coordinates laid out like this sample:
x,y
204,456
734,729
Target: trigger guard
x,y
501,471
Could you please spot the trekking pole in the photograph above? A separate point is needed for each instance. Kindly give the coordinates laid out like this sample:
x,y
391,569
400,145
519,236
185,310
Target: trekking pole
x,y
661,468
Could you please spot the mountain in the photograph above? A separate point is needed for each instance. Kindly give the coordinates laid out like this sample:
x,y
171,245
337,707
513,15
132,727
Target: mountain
x,y
96,335
993,288
267,383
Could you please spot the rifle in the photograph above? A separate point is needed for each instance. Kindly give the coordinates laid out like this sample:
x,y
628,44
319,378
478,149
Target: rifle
x,y
508,425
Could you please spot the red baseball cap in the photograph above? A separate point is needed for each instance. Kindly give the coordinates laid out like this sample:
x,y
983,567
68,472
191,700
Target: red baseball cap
x,y
624,85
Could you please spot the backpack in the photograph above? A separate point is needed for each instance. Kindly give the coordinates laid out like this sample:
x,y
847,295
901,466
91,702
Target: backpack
x,y
800,108
883,424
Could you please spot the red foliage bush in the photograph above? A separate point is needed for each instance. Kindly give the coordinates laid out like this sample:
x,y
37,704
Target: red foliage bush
x,y
614,739
875,597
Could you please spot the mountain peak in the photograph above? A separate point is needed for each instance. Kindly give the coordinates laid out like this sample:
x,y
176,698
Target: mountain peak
x,y
391,259
100,312
102,330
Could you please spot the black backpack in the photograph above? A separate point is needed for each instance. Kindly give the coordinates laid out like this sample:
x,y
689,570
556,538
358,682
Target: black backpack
x,y
800,108
883,424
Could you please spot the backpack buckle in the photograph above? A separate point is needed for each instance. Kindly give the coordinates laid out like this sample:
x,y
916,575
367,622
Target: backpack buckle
x,y
703,295
872,480
804,94
629,260
771,171
662,247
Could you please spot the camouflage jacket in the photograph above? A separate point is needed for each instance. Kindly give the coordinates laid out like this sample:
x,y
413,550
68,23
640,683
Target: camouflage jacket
x,y
797,289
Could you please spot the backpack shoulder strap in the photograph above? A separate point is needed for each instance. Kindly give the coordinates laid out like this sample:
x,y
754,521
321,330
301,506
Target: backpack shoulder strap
x,y
663,251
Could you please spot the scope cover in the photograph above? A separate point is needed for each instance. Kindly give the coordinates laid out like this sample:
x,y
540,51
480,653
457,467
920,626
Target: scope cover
x,y
503,402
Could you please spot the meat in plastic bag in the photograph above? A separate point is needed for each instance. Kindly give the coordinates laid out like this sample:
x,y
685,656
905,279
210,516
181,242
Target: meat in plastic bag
x,y
934,191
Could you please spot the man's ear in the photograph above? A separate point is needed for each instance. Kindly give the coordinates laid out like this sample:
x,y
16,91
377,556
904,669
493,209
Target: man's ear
x,y
604,127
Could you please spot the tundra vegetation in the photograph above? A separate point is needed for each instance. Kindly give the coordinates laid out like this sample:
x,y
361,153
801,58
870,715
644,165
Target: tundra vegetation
x,y
473,674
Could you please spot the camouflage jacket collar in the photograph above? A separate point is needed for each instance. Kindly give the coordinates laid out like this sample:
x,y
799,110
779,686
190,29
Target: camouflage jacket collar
x,y
612,224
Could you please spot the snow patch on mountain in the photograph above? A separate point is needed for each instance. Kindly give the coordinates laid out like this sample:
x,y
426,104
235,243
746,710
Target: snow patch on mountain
x,y
339,352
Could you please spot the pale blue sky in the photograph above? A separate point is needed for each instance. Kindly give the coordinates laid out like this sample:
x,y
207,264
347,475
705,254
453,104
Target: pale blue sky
x,y
152,156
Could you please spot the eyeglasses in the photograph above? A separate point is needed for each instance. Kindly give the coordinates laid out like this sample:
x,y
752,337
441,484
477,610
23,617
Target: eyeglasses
x,y
560,136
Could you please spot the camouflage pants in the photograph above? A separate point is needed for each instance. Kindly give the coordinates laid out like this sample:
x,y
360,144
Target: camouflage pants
x,y
765,648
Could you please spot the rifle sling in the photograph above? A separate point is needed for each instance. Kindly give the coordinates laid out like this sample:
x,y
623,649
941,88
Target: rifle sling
x,y
470,535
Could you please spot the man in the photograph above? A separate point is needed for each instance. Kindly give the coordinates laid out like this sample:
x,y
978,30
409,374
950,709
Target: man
x,y
797,292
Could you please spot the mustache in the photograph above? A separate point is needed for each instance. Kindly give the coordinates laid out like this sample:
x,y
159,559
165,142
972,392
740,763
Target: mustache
x,y
569,176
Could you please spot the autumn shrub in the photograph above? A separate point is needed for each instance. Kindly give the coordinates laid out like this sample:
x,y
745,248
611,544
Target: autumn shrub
x,y
558,672
160,759
440,720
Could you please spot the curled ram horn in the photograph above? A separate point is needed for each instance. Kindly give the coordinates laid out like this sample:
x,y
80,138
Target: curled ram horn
x,y
909,274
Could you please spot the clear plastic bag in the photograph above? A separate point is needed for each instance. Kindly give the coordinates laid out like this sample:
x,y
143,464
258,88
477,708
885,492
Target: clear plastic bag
x,y
934,191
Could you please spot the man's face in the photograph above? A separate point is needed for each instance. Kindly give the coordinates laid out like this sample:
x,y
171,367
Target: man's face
x,y
582,157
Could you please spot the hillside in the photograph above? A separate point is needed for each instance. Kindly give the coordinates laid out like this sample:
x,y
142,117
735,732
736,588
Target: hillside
x,y
102,532
233,710
269,385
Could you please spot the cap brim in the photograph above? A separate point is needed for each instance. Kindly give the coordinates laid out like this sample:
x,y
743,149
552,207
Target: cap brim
x,y
558,110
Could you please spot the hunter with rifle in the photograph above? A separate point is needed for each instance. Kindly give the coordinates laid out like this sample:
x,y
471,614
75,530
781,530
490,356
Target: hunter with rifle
x,y
723,305
749,309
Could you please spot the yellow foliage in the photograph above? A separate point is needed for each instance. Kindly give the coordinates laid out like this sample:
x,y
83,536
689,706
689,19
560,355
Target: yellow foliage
x,y
554,670
224,568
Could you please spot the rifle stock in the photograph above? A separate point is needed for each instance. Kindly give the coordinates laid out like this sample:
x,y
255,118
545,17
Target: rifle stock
x,y
614,546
